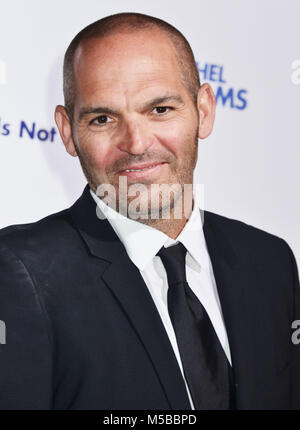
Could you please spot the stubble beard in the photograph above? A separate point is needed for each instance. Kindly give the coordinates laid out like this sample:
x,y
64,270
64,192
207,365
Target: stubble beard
x,y
183,175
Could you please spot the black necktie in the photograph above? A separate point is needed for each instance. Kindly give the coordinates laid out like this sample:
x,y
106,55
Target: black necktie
x,y
205,364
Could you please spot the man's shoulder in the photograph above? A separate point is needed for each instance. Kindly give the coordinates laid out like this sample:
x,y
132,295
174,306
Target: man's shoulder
x,y
236,226
252,245
245,237
47,230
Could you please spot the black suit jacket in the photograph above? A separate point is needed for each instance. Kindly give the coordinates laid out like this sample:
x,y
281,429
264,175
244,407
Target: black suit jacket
x,y
82,330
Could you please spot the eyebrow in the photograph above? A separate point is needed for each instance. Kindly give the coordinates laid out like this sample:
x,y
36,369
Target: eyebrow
x,y
88,110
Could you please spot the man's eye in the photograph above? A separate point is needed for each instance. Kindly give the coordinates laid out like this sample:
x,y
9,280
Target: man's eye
x,y
102,119
161,109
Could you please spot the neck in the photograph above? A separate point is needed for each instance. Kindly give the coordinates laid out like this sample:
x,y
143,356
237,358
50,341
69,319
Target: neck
x,y
172,226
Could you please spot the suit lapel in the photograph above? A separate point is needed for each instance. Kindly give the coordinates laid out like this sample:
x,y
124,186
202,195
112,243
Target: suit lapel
x,y
123,278
234,283
129,288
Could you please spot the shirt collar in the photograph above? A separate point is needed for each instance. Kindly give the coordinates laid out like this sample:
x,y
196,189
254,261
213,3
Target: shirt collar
x,y
142,242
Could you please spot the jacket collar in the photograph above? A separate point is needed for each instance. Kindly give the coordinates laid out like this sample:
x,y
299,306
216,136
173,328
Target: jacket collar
x,y
104,243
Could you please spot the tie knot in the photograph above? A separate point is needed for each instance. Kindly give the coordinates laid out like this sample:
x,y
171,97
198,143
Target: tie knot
x,y
173,259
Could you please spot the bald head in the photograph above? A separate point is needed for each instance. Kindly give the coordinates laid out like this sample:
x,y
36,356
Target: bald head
x,y
130,23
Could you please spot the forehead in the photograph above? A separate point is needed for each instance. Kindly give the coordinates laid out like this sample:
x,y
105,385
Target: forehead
x,y
130,63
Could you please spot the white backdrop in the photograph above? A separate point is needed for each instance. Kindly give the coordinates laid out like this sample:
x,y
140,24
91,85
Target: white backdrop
x,y
248,50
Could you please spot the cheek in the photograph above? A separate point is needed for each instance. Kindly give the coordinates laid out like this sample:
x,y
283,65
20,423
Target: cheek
x,y
96,150
176,136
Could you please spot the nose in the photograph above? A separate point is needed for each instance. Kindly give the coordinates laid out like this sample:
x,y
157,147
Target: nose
x,y
135,138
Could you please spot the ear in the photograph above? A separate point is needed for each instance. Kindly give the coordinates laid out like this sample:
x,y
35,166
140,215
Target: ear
x,y
65,129
206,104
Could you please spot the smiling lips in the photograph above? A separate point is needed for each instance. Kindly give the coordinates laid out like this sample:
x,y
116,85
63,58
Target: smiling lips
x,y
141,170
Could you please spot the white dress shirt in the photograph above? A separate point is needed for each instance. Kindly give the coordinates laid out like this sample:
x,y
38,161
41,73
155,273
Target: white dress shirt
x,y
142,242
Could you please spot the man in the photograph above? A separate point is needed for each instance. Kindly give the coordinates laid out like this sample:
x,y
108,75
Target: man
x,y
89,299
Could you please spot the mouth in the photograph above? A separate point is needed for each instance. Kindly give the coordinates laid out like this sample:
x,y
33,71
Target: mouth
x,y
142,170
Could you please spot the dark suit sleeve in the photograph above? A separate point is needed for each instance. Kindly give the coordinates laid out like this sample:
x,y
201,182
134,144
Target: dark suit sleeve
x,y
295,367
26,355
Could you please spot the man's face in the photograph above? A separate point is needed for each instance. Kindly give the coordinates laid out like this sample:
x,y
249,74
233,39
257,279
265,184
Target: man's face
x,y
132,109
